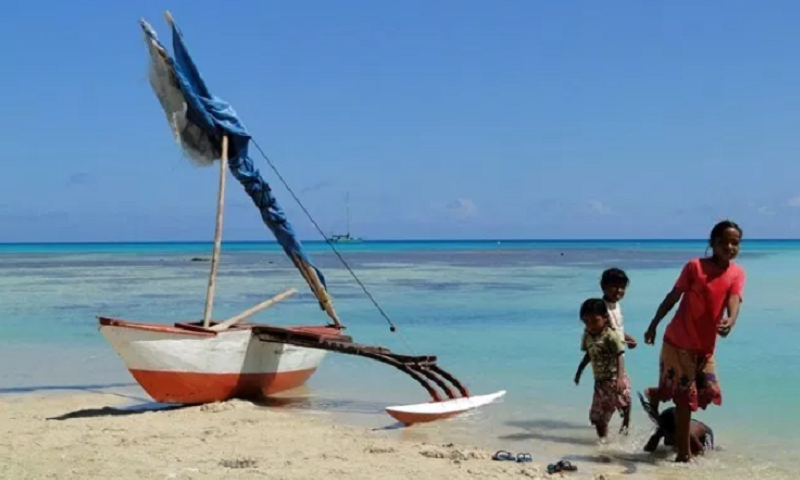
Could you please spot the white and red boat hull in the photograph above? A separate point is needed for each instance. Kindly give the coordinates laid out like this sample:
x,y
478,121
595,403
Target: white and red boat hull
x,y
175,364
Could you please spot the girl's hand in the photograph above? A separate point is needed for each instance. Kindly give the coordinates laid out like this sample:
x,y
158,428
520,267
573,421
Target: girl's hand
x,y
650,335
725,326
577,378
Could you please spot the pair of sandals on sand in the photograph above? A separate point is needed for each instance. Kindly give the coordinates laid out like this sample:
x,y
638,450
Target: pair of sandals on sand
x,y
502,455
561,466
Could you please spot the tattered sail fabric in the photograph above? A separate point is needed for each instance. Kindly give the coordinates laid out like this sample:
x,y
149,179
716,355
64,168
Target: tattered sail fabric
x,y
194,141
199,120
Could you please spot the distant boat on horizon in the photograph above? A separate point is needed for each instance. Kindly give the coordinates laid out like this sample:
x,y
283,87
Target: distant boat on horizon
x,y
347,237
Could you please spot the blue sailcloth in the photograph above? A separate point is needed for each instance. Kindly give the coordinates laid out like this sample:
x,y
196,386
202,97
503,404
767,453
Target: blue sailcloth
x,y
199,120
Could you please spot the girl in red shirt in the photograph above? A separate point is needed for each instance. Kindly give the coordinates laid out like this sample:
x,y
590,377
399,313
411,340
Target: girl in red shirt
x,y
707,288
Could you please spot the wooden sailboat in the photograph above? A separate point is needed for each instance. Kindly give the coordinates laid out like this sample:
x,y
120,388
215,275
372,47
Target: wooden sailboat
x,y
207,361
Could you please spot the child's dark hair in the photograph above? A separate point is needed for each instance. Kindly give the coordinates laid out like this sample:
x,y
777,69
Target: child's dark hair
x,y
719,228
614,277
594,306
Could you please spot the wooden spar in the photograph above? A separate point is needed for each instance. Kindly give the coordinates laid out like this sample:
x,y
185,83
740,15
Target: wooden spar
x,y
223,167
326,302
252,310
313,281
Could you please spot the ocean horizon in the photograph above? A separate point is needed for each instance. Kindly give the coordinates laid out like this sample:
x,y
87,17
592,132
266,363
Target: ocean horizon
x,y
498,315
316,246
411,240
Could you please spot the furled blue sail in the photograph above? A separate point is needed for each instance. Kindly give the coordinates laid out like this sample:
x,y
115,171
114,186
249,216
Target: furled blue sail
x,y
199,120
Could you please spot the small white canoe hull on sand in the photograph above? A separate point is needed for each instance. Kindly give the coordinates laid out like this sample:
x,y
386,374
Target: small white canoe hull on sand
x,y
428,412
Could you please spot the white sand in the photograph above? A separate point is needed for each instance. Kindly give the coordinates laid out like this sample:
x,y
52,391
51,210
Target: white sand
x,y
229,440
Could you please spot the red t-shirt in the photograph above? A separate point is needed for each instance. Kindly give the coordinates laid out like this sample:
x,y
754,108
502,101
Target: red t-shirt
x,y
705,288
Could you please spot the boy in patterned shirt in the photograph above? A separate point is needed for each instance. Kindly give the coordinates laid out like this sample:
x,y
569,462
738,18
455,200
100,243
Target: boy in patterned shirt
x,y
605,351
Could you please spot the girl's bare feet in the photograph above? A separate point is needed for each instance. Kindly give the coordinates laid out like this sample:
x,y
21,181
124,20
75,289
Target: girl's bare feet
x,y
680,458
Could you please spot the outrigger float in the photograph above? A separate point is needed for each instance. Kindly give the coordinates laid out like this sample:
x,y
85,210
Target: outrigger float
x,y
208,361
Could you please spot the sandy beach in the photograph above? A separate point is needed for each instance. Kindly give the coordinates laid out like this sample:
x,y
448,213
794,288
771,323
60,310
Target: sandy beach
x,y
91,436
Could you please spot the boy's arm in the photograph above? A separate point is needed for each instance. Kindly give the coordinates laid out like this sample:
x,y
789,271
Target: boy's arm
x,y
630,341
581,367
621,372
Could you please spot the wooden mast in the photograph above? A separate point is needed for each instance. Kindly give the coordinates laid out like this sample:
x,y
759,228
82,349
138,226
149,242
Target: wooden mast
x,y
212,277
223,167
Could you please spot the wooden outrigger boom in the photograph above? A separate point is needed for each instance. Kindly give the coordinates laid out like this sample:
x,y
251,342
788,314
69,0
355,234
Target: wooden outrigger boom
x,y
423,369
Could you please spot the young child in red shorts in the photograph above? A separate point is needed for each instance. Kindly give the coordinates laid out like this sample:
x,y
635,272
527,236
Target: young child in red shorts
x,y
708,288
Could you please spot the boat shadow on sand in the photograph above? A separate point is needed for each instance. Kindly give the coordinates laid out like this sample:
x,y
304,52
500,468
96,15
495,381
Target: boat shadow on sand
x,y
301,400
142,405
118,411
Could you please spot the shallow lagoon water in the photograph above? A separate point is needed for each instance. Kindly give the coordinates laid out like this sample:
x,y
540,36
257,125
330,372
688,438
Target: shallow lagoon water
x,y
499,316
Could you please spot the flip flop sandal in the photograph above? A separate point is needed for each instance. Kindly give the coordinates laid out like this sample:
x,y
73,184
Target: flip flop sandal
x,y
567,467
524,457
502,455
561,466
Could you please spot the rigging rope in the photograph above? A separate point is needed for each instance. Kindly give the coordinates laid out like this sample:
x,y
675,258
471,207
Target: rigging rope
x,y
392,326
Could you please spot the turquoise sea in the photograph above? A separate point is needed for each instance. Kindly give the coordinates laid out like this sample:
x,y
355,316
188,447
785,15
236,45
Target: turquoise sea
x,y
498,314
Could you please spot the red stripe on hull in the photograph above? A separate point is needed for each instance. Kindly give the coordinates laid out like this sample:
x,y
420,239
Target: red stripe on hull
x,y
196,388
408,418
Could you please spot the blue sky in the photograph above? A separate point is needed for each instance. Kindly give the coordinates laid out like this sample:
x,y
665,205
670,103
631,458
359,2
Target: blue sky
x,y
447,119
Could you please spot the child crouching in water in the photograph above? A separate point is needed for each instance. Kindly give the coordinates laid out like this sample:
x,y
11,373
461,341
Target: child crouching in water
x,y
605,350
